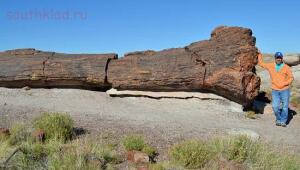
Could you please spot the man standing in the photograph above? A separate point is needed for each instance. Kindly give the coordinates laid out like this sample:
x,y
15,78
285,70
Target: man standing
x,y
282,78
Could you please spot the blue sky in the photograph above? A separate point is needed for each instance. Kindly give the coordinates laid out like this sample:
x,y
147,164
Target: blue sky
x,y
101,26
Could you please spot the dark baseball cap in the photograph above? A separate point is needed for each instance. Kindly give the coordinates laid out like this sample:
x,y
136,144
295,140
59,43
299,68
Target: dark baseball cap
x,y
278,55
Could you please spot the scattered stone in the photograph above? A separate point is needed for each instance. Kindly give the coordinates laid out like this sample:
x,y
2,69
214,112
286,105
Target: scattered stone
x,y
24,51
39,135
94,161
251,114
296,74
293,106
268,110
143,167
4,132
292,59
26,88
137,157
244,132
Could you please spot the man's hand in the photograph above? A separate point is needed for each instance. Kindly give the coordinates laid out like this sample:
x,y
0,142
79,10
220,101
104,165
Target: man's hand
x,y
260,60
259,53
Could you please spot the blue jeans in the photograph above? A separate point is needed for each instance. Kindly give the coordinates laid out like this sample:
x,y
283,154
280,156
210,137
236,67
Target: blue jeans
x,y
280,104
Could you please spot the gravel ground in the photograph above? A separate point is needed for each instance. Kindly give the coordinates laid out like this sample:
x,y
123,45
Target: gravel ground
x,y
163,121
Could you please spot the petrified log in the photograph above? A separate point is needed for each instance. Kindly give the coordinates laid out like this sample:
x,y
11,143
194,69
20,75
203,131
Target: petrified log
x,y
223,65
34,68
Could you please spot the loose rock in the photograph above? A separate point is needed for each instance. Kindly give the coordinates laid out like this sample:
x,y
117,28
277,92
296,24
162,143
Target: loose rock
x,y
137,157
292,59
4,132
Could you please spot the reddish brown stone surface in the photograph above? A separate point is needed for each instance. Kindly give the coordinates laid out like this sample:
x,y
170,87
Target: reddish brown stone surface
x,y
223,65
34,68
137,157
4,132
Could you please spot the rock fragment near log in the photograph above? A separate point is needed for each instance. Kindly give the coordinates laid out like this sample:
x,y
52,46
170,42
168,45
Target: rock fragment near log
x,y
223,65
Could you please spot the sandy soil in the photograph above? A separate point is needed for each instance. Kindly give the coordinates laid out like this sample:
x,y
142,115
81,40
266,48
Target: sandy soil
x,y
162,121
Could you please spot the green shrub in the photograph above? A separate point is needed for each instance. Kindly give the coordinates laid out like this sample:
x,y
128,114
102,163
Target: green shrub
x,y
70,160
18,134
263,157
251,154
134,142
235,148
84,154
105,153
191,154
5,149
35,151
28,156
150,151
239,148
24,161
55,125
156,167
251,114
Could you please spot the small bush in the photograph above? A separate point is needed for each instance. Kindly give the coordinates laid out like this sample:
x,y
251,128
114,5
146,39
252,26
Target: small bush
x,y
18,134
84,154
251,114
251,154
235,148
239,148
35,151
24,161
150,151
5,149
191,154
156,167
70,160
55,125
263,157
134,142
27,156
105,153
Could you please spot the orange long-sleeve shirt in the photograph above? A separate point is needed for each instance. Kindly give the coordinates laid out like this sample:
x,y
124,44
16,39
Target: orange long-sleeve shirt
x,y
282,79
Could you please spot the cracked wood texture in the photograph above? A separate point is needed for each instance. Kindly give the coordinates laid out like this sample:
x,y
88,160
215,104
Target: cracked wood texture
x,y
34,68
223,65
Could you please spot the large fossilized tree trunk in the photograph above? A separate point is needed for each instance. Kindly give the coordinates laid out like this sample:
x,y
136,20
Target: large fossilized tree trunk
x,y
223,65
30,67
